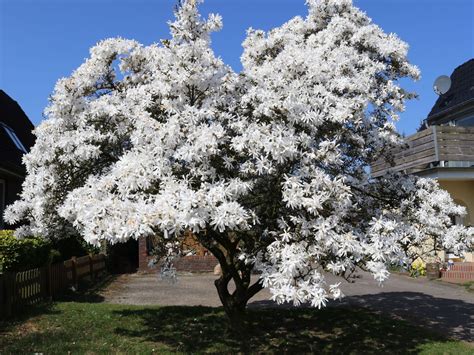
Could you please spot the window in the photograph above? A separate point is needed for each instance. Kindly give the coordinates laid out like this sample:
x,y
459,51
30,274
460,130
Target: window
x,y
11,133
466,122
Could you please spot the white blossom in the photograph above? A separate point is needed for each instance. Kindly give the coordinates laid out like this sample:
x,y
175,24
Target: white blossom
x,y
144,140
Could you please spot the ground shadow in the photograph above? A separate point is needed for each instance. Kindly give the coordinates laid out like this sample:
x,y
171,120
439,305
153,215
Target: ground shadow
x,y
448,317
272,330
89,291
23,315
454,318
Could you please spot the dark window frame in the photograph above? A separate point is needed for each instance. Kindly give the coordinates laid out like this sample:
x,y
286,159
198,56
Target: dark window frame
x,y
14,138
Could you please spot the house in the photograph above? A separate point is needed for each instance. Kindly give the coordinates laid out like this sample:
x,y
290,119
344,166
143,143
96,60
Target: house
x,y
443,149
16,138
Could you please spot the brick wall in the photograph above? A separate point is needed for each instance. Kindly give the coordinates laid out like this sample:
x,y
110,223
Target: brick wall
x,y
190,242
142,255
459,273
192,263
196,263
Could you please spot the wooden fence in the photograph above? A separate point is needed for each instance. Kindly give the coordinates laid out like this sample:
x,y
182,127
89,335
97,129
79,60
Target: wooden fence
x,y
20,289
432,145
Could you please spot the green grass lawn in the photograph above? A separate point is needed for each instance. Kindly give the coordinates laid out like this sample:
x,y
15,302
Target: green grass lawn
x,y
469,286
104,328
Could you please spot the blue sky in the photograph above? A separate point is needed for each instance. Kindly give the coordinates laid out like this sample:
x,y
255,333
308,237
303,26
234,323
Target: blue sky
x,y
44,40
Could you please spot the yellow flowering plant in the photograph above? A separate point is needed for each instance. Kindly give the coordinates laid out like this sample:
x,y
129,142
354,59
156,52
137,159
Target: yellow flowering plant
x,y
418,268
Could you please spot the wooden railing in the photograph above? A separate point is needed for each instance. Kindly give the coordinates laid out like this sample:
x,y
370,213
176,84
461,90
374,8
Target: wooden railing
x,y
20,289
432,145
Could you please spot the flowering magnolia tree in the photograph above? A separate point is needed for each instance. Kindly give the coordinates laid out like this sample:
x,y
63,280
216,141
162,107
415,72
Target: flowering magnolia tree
x,y
267,167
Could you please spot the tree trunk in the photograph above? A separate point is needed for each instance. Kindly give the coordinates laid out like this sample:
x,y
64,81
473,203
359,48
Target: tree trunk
x,y
235,304
224,248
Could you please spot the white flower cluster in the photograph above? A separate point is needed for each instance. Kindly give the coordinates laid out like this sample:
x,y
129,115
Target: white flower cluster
x,y
159,139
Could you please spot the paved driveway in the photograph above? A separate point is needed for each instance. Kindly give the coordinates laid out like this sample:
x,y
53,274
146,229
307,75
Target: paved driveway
x,y
147,289
444,307
441,306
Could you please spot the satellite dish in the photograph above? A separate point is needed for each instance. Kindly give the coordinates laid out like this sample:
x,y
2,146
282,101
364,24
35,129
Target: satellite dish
x,y
442,84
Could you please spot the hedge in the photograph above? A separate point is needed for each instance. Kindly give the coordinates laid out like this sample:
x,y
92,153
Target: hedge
x,y
31,252
23,254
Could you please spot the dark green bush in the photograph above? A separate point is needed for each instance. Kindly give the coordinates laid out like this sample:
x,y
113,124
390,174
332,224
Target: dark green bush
x,y
31,252
23,254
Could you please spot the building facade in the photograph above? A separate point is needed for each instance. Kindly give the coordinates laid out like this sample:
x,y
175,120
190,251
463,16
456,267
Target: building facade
x,y
443,148
16,138
196,258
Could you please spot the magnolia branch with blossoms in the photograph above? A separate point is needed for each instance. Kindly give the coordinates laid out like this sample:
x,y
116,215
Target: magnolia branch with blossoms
x,y
267,167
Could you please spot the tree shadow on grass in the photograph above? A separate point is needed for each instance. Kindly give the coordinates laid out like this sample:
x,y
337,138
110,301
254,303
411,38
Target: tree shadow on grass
x,y
89,291
23,315
331,330
453,318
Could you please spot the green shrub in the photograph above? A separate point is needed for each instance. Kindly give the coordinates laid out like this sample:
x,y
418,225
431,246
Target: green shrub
x,y
31,252
23,254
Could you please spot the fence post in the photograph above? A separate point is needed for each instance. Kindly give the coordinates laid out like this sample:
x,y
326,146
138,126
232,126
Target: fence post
x,y
74,272
9,286
2,295
91,267
49,284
